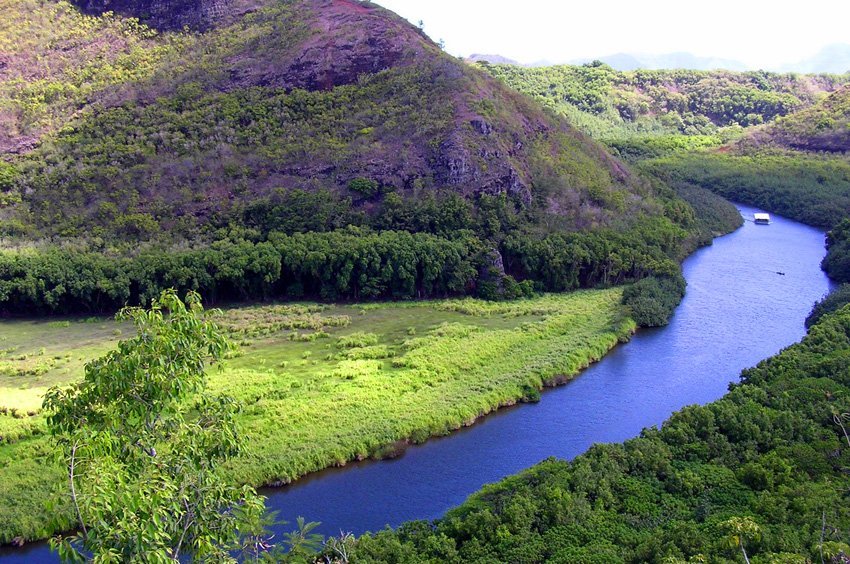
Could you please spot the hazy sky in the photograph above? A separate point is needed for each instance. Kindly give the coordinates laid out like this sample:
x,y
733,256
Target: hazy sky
x,y
758,33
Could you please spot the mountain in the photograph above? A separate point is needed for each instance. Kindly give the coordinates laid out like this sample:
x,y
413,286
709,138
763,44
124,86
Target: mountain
x,y
618,61
831,59
116,127
677,60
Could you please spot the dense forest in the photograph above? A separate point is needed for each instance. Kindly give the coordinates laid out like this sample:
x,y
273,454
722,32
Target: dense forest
x,y
349,264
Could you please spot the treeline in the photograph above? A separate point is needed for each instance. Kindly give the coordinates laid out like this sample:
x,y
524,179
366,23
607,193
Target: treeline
x,y
834,301
836,264
349,264
715,215
761,471
566,261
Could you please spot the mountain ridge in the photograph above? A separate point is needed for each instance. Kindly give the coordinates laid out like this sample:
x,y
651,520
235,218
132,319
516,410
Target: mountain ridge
x,y
665,61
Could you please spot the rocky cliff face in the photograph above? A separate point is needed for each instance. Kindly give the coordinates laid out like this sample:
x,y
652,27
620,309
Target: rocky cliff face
x,y
198,15
346,41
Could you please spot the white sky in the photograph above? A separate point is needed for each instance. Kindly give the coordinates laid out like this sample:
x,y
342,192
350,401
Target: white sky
x,y
758,33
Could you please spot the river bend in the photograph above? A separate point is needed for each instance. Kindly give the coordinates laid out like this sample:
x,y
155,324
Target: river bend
x,y
738,310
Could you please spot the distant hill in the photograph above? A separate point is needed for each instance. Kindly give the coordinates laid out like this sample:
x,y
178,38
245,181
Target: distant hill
x,y
831,59
610,104
619,61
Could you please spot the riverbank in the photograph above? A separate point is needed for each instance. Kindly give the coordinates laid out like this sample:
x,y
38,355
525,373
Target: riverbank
x,y
324,385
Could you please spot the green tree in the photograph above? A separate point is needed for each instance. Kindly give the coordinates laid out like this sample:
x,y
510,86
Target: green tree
x,y
739,530
142,439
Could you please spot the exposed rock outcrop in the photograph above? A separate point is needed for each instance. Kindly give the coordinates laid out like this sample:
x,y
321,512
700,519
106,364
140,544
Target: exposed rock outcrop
x,y
348,40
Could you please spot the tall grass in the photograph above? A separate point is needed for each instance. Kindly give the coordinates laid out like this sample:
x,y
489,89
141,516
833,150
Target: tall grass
x,y
391,375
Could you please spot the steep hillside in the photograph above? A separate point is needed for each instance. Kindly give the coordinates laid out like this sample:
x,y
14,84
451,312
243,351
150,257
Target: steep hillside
x,y
55,61
333,95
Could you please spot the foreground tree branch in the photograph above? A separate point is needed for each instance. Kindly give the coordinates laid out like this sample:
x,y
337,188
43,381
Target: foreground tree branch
x,y
143,439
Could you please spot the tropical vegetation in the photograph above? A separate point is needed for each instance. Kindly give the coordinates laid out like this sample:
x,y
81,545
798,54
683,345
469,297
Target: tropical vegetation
x,y
330,151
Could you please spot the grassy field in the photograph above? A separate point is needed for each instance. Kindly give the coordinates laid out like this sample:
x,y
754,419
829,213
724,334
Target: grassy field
x,y
320,385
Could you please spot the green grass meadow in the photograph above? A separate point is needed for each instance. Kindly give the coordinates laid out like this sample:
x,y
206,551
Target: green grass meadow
x,y
320,385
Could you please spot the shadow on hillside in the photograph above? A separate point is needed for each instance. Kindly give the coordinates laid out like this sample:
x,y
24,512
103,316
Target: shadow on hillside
x,y
197,15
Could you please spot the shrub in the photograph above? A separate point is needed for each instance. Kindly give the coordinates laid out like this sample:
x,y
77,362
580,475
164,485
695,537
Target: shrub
x,y
653,300
8,176
364,186
358,339
830,303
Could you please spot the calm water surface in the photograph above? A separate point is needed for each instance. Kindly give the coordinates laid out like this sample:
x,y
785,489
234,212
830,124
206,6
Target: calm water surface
x,y
738,310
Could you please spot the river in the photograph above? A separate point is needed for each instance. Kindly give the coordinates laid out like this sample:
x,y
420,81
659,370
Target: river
x,y
738,310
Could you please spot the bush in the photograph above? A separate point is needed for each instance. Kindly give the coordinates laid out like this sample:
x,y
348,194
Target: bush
x,y
8,176
832,302
836,263
364,186
357,340
653,300
514,290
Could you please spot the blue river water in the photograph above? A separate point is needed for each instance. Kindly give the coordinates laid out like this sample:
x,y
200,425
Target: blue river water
x,y
748,295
